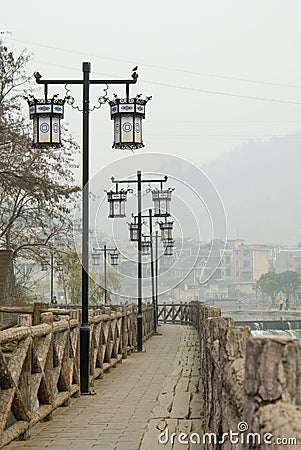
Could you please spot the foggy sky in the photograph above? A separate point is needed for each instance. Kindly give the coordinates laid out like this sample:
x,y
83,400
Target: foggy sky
x,y
182,49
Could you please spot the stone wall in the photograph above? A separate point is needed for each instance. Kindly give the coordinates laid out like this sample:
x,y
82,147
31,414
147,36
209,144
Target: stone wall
x,y
255,380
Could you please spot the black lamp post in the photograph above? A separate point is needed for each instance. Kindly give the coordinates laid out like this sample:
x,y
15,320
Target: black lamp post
x,y
164,212
147,244
166,228
156,275
113,253
59,268
46,115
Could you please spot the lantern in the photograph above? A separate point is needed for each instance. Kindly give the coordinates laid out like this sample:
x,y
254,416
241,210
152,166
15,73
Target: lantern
x,y
114,258
145,247
168,248
117,203
162,199
44,267
166,230
133,227
95,257
46,115
60,265
127,115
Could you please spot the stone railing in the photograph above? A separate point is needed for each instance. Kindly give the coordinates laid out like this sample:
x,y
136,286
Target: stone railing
x,y
39,365
251,381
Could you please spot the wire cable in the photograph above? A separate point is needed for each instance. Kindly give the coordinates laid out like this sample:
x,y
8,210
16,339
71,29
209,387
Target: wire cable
x,y
246,80
206,91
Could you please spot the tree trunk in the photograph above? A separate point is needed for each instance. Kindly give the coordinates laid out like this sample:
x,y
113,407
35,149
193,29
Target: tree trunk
x,y
7,285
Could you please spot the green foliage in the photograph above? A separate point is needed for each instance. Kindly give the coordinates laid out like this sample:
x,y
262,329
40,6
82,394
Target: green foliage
x,y
72,272
113,283
268,284
289,282
271,284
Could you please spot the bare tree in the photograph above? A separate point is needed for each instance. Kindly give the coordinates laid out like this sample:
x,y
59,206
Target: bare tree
x,y
37,186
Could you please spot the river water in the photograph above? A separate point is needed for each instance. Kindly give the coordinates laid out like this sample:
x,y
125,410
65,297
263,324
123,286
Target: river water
x,y
293,333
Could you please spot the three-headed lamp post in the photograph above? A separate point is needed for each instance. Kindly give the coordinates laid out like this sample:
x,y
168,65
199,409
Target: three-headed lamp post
x,y
161,199
113,254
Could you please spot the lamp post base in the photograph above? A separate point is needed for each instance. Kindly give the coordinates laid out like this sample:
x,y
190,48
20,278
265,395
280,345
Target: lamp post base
x,y
140,333
84,335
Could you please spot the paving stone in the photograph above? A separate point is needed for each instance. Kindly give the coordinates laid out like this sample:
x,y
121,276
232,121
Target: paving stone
x,y
159,386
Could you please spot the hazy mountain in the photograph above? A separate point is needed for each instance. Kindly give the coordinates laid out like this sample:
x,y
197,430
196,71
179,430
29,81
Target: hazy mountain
x,y
259,183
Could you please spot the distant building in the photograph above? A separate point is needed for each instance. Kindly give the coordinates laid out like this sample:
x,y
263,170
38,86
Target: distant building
x,y
244,262
235,265
288,259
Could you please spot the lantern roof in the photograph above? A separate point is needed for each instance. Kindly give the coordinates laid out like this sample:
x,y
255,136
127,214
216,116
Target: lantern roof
x,y
117,195
46,107
128,105
166,224
158,192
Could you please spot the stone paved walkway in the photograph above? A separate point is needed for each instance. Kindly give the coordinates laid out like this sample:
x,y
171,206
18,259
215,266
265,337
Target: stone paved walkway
x,y
149,393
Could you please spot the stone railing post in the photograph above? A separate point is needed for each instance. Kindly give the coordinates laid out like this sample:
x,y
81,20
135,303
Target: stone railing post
x,y
38,309
24,320
124,333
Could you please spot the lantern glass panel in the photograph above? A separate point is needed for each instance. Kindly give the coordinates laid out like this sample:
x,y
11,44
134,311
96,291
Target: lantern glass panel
x,y
122,208
118,208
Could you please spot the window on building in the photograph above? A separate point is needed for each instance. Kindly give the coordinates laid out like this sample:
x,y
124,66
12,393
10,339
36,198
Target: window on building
x,y
246,252
228,272
246,276
246,263
228,259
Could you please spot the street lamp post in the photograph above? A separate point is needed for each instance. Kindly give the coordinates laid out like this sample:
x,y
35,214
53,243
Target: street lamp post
x,y
85,82
156,276
162,210
152,268
150,222
113,252
51,277
58,267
